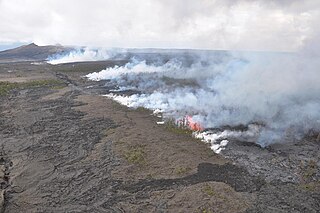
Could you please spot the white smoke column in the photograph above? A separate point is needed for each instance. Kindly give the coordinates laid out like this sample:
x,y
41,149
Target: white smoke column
x,y
279,91
271,89
86,54
218,140
131,68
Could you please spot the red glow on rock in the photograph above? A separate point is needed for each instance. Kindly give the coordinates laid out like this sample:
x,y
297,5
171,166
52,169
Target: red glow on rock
x,y
193,125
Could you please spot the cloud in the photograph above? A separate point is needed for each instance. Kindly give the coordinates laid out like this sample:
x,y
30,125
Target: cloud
x,y
207,24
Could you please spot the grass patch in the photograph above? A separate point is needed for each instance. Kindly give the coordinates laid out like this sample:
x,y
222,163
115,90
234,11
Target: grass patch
x,y
150,176
143,109
180,82
136,156
57,87
87,67
6,87
205,211
207,189
312,186
182,170
41,83
172,127
309,171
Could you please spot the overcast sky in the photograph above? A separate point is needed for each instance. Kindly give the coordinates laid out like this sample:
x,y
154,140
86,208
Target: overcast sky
x,y
279,25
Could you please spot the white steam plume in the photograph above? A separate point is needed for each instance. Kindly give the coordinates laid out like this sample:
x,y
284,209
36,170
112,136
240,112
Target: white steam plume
x,y
86,54
280,91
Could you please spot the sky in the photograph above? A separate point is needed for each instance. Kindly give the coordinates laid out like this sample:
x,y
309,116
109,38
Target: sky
x,y
10,45
263,25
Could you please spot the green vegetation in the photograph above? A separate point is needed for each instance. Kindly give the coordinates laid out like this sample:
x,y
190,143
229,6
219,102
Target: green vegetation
x,y
180,82
6,87
136,155
205,211
43,83
171,126
310,170
108,132
312,186
209,190
57,87
150,176
87,67
182,170
308,173
143,109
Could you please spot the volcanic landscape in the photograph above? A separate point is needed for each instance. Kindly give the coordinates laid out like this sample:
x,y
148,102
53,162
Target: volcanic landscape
x,y
73,140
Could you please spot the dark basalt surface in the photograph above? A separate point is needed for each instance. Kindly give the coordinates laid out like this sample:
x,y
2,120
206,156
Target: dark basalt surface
x,y
55,159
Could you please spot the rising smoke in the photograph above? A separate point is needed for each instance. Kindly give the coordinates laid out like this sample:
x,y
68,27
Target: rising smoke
x,y
82,54
277,91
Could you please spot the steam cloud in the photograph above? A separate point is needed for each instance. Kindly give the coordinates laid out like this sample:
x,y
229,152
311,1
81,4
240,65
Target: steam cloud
x,y
279,92
86,54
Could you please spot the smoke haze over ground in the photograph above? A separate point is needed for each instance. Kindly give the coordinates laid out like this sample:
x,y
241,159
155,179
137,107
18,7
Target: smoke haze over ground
x,y
217,88
279,91
84,54
242,76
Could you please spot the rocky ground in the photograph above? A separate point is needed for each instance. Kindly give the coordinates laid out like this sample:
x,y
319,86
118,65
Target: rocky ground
x,y
65,148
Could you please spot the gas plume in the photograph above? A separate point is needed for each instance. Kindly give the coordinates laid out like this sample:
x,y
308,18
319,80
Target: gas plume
x,y
279,92
81,54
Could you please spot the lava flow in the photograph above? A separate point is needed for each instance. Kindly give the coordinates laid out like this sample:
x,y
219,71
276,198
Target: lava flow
x,y
188,122
193,125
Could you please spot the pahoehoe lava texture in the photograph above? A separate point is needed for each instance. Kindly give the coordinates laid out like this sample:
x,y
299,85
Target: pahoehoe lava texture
x,y
57,158
55,144
57,167
237,177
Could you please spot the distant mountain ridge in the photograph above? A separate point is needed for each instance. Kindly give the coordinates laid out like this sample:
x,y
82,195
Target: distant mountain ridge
x,y
32,52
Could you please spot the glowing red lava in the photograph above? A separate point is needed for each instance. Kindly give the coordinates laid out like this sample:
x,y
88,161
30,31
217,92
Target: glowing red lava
x,y
187,122
193,125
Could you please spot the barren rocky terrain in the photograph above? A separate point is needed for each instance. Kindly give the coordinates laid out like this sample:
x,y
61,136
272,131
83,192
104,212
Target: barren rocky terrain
x,y
31,52
66,148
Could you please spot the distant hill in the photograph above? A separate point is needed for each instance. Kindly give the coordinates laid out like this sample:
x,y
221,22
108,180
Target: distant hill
x,y
32,52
